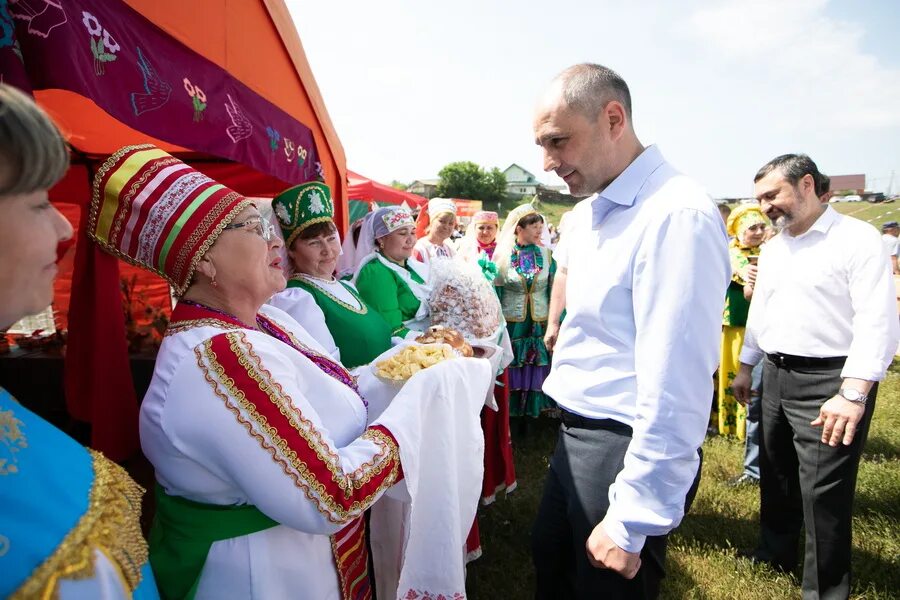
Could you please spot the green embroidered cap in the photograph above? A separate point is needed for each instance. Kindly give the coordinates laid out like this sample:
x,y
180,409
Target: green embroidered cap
x,y
299,207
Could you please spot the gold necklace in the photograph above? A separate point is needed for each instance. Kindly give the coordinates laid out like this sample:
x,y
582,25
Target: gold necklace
x,y
363,308
314,278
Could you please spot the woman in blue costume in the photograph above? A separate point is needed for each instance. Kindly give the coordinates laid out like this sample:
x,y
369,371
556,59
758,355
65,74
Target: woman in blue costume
x,y
525,272
70,518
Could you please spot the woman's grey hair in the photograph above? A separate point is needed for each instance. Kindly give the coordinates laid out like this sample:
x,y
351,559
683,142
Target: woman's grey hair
x,y
589,87
33,153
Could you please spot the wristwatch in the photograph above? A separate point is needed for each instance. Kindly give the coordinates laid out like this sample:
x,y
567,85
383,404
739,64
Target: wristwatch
x,y
853,395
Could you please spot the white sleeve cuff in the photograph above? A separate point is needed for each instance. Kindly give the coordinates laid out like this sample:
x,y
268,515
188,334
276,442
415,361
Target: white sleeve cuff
x,y
628,541
750,356
854,370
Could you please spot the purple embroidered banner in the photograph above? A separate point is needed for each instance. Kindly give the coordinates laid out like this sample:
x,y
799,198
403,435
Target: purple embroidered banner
x,y
106,51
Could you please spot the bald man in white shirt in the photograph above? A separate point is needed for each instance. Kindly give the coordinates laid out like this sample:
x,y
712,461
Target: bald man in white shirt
x,y
645,270
823,322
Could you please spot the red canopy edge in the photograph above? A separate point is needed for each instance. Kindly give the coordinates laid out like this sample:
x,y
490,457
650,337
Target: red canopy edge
x,y
363,188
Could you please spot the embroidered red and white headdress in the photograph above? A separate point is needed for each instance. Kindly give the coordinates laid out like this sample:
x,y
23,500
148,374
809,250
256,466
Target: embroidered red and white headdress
x,y
153,210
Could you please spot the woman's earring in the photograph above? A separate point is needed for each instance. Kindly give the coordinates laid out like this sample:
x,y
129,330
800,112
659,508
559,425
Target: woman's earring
x,y
213,282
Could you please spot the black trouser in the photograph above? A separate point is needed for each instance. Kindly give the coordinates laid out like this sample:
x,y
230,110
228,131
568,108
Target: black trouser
x,y
804,480
576,497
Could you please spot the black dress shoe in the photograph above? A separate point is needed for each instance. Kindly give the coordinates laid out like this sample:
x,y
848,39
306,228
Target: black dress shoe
x,y
743,480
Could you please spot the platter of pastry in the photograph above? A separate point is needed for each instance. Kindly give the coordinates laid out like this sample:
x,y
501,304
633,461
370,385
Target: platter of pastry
x,y
411,359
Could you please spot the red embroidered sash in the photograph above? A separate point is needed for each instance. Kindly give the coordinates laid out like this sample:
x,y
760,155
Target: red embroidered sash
x,y
351,556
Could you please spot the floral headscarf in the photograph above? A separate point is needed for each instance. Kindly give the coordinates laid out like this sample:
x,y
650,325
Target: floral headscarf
x,y
742,218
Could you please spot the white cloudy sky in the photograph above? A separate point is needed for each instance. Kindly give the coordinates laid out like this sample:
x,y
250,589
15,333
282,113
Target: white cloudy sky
x,y
721,85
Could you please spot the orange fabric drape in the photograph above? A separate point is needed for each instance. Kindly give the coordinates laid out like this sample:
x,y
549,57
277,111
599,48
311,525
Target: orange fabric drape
x,y
256,42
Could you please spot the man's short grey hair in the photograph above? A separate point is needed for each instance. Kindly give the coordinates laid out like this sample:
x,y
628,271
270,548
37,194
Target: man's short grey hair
x,y
33,154
589,87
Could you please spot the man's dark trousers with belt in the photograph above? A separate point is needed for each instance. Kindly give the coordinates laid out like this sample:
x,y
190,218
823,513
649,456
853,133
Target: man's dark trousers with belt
x,y
803,480
589,454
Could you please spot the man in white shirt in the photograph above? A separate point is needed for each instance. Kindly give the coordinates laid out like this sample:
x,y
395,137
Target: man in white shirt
x,y
889,234
646,270
823,321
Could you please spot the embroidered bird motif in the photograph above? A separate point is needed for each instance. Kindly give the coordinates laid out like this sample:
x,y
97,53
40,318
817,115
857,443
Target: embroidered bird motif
x,y
156,91
241,128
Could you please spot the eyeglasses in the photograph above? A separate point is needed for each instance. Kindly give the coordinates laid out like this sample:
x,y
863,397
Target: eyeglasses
x,y
261,227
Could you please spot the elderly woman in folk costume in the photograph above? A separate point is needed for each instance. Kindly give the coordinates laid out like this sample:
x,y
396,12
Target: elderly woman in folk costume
x,y
434,228
70,523
480,237
332,311
267,452
747,226
524,278
387,277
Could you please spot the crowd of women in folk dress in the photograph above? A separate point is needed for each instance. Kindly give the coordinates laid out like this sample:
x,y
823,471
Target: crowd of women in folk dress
x,y
271,435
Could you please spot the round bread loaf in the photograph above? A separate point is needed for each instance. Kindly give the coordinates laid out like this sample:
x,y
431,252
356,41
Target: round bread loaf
x,y
438,334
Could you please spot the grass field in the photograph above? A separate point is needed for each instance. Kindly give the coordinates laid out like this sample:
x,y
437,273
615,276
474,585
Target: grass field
x,y
702,563
875,214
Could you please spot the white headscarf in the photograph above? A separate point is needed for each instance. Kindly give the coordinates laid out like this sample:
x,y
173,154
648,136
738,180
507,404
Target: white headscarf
x,y
439,206
507,237
374,225
467,246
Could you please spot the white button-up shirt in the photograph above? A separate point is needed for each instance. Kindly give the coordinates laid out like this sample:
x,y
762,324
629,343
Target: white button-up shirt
x,y
827,292
648,268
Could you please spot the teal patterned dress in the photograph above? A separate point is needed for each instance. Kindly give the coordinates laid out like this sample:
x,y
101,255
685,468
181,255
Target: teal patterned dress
x,y
531,362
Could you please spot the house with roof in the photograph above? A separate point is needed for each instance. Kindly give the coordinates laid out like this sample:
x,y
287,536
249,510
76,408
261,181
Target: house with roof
x,y
520,182
424,187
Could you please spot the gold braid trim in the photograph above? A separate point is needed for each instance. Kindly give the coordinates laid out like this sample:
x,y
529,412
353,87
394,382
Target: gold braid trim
x,y
181,326
203,229
268,437
300,229
308,280
96,202
111,525
387,450
126,198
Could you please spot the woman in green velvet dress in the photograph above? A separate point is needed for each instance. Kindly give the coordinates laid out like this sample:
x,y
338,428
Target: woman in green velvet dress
x,y
332,311
392,282
525,277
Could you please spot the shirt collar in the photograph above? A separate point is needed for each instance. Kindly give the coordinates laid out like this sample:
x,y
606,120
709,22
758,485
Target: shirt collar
x,y
625,188
822,224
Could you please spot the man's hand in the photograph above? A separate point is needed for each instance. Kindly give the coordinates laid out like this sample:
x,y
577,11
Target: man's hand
x,y
605,554
840,418
551,335
741,384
